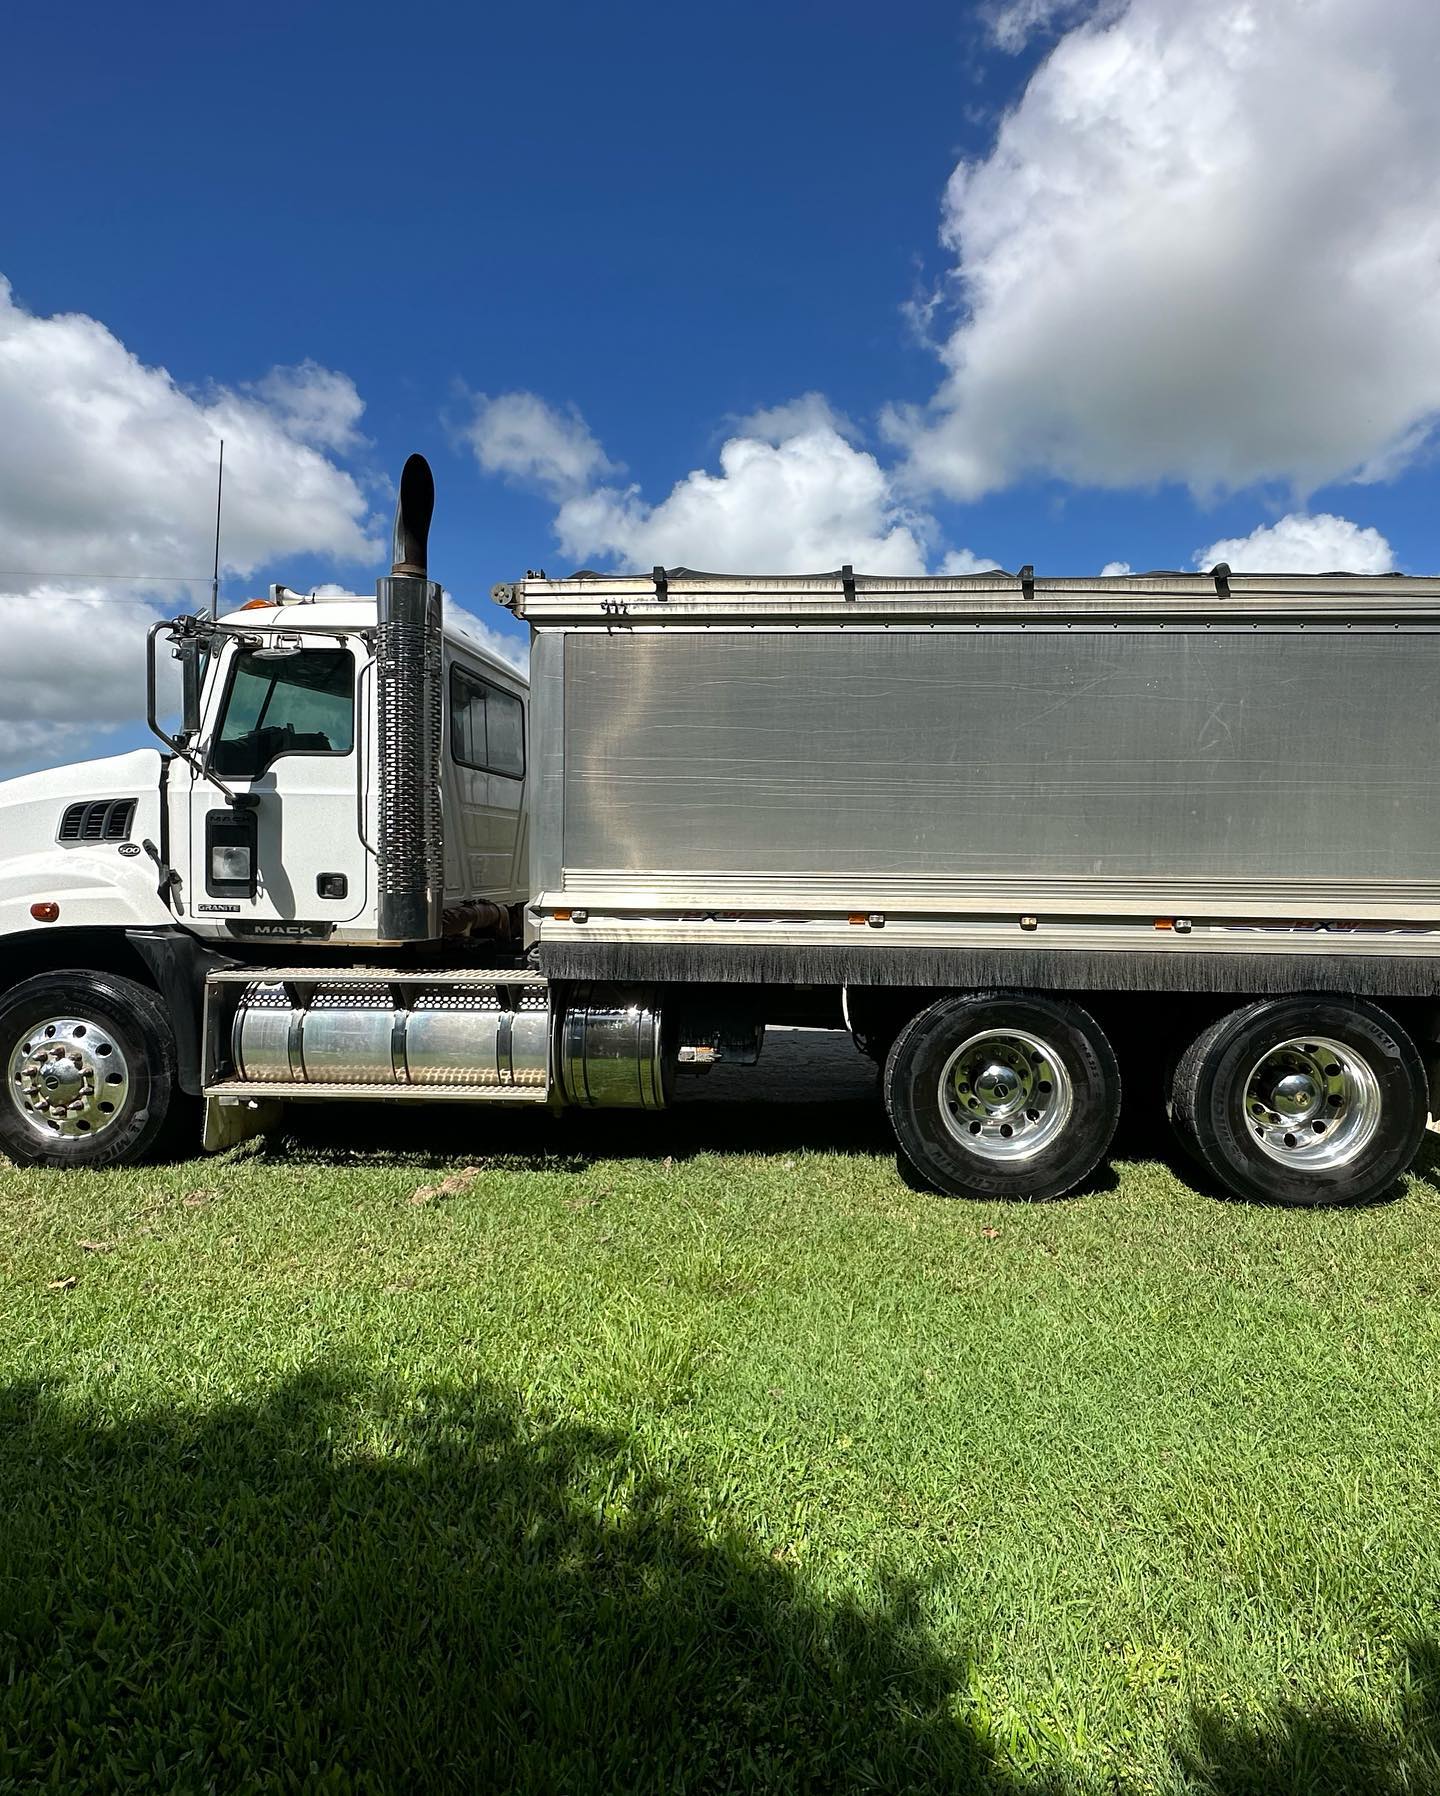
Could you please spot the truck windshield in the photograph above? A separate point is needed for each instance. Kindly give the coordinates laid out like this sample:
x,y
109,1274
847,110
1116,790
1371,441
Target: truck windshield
x,y
301,704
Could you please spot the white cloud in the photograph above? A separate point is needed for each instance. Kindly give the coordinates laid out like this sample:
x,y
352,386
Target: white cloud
x,y
1303,544
961,561
1112,568
796,417
74,665
802,504
526,440
107,467
316,404
509,646
1205,248
794,494
1014,23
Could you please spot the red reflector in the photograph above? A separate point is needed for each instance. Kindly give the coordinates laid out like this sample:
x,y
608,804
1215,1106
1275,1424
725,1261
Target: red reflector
x,y
46,911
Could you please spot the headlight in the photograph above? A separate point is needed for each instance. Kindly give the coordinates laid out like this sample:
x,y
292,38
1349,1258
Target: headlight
x,y
230,861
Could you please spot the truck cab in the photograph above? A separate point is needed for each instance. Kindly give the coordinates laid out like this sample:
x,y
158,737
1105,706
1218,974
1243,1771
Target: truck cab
x,y
346,788
274,810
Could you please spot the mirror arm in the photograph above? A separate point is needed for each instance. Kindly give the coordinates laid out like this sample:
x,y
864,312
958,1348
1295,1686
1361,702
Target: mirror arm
x,y
240,801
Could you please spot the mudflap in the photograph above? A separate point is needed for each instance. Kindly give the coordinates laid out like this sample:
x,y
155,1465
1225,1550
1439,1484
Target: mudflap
x,y
228,1123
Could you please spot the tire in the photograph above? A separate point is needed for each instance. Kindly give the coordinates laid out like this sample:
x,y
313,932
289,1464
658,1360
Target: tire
x,y
112,1049
1305,1100
1003,1095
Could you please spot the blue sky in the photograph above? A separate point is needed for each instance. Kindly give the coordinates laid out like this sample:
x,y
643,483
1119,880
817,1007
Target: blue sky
x,y
657,222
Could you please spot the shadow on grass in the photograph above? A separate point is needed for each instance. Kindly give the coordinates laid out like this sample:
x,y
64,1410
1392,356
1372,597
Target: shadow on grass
x,y
436,1591
811,1091
457,1598
544,1141
1295,1750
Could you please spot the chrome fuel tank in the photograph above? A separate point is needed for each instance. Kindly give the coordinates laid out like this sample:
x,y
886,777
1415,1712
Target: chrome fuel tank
x,y
305,1034
370,1033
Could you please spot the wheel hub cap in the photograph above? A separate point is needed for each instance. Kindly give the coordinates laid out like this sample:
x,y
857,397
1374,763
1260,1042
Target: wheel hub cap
x,y
1295,1095
1312,1102
1005,1094
999,1088
68,1076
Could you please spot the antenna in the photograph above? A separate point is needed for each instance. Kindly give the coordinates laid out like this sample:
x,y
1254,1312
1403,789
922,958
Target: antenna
x,y
219,494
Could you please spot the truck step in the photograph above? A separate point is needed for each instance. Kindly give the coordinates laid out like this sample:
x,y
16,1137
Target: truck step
x,y
247,1090
321,975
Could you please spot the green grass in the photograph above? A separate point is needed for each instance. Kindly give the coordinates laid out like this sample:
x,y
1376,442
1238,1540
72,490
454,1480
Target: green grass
x,y
701,1453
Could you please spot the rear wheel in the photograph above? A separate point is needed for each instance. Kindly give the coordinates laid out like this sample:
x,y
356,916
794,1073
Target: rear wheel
x,y
88,1061
1307,1100
1003,1094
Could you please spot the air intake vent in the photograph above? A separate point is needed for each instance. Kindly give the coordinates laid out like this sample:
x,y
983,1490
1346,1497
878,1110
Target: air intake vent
x,y
101,820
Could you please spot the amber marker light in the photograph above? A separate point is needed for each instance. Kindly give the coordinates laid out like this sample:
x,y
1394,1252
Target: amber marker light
x,y
46,911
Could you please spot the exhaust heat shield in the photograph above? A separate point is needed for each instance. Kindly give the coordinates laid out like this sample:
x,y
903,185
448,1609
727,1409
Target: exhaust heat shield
x,y
411,854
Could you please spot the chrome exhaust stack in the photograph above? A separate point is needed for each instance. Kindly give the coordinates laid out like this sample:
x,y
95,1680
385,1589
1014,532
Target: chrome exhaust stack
x,y
411,853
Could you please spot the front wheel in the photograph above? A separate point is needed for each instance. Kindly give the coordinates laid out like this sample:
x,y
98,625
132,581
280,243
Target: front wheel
x,y
1308,1100
89,1067
1003,1094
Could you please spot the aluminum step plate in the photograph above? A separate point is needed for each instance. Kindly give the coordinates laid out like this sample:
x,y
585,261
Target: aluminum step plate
x,y
373,975
245,1090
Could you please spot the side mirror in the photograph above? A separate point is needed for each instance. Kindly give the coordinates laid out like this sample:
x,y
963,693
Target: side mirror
x,y
188,655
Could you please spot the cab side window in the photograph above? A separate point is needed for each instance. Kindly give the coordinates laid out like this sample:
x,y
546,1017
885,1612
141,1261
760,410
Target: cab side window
x,y
487,726
300,704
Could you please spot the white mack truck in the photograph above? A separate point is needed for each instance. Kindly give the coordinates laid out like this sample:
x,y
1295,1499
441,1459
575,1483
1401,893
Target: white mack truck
x,y
988,823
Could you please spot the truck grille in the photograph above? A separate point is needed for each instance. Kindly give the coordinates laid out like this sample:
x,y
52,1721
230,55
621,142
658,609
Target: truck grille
x,y
99,820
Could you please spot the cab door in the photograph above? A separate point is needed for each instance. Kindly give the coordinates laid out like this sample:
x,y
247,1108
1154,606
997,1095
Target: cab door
x,y
283,739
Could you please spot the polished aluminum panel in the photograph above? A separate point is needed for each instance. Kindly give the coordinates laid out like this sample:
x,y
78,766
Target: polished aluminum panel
x,y
530,1041
453,1038
473,1038
260,1035
1222,597
611,1052
1264,753
346,1035
352,1033
545,786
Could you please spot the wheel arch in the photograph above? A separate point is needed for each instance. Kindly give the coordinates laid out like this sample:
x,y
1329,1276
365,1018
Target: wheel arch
x,y
51,950
169,962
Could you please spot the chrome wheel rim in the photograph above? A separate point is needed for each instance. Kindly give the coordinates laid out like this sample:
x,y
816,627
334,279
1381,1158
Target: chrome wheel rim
x,y
68,1077
1005,1094
1312,1102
